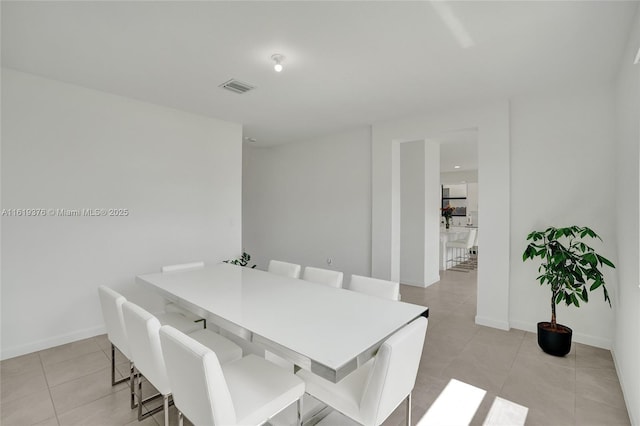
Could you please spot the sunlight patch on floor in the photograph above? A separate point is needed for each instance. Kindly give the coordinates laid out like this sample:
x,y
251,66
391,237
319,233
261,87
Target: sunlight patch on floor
x,y
505,412
456,405
458,402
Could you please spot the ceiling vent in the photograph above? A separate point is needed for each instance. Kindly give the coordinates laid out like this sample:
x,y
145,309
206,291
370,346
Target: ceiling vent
x,y
236,86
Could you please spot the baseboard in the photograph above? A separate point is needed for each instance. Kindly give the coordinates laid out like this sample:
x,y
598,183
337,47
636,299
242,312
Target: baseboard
x,y
524,326
583,338
490,322
412,283
425,284
432,280
625,389
51,342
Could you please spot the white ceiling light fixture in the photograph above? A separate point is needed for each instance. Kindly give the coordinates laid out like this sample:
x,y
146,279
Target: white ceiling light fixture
x,y
456,167
278,59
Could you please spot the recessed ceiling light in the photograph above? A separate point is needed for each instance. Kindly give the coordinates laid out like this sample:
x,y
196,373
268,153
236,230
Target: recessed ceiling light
x,y
456,167
278,59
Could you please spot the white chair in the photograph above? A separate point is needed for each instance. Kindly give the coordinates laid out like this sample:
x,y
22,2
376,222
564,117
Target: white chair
x,y
375,287
111,303
172,307
475,244
248,391
372,392
323,276
183,266
284,268
144,341
464,245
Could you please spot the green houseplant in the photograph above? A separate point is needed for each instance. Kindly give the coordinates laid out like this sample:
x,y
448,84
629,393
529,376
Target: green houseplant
x,y
572,269
241,261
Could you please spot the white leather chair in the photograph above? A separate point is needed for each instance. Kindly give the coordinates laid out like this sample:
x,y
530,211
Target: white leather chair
x,y
248,391
459,249
172,307
183,266
375,287
144,342
284,268
323,276
111,303
372,392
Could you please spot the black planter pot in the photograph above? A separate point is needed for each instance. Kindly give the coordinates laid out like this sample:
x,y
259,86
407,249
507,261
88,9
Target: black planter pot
x,y
554,342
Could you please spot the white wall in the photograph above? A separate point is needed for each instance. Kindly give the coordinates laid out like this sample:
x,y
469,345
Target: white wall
x,y
309,201
457,177
563,173
492,121
432,213
412,216
68,147
626,346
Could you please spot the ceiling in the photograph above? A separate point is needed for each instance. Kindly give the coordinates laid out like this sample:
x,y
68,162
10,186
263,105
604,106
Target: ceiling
x,y
348,64
459,148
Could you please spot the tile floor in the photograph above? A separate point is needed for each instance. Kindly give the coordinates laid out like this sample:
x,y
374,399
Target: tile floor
x,y
70,384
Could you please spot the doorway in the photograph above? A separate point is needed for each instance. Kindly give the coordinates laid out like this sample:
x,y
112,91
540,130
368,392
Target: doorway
x,y
448,162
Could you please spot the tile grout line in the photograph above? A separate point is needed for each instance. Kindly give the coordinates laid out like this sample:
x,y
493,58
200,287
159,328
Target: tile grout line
x,y
513,361
575,387
76,378
44,373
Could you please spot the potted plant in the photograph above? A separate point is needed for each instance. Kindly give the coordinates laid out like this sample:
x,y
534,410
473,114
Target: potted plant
x,y
241,261
447,212
571,269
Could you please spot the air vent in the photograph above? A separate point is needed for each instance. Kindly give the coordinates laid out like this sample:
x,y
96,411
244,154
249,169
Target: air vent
x,y
236,86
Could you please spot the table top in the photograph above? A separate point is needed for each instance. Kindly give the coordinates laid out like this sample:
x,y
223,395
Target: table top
x,y
326,330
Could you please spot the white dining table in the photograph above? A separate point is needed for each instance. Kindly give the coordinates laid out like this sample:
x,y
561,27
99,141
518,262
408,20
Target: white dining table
x,y
328,331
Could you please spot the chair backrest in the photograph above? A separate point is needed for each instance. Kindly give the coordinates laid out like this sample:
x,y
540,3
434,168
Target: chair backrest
x,y
111,303
393,374
323,276
284,268
375,287
471,237
183,266
144,342
199,388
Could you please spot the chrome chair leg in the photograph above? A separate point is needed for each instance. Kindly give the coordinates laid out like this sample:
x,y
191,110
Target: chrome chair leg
x,y
180,418
409,409
139,403
138,378
165,405
113,368
132,379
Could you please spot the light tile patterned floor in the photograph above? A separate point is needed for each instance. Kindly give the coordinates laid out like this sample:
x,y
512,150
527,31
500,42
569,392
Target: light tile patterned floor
x,y
69,384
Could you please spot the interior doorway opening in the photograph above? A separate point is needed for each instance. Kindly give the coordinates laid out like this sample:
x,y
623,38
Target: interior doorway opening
x,y
458,250
437,171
